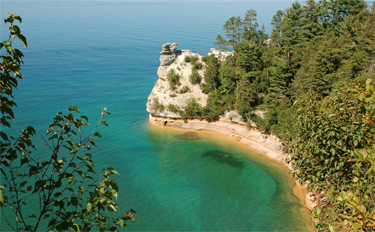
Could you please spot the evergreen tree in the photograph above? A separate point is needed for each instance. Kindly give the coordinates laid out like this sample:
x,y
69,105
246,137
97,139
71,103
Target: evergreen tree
x,y
311,26
279,82
227,77
222,43
250,26
233,30
246,98
211,74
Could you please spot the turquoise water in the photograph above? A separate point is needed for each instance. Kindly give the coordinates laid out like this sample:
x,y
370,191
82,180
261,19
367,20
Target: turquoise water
x,y
95,54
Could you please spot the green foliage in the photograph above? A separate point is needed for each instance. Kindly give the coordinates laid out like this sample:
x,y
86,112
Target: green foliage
x,y
334,150
173,95
211,74
192,59
70,194
173,79
222,43
173,108
157,105
193,109
227,77
195,77
233,30
184,89
250,26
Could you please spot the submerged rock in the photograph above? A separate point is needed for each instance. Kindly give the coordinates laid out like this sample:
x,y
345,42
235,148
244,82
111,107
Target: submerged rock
x,y
188,136
225,158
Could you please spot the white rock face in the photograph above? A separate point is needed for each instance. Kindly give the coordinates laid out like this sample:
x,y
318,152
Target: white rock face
x,y
171,58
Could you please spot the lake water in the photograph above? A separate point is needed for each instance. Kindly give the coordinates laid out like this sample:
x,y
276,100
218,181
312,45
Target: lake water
x,y
95,54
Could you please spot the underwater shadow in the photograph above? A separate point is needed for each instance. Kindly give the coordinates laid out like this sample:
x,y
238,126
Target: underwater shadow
x,y
225,158
188,136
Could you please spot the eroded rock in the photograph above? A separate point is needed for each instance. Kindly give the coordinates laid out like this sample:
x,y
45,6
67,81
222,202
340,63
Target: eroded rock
x,y
168,54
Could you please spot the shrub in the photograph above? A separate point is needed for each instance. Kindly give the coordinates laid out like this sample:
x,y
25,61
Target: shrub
x,y
184,89
173,95
193,109
173,78
187,59
205,88
191,59
172,108
157,105
195,78
198,65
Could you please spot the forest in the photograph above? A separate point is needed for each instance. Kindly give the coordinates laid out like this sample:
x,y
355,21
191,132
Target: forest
x,y
314,78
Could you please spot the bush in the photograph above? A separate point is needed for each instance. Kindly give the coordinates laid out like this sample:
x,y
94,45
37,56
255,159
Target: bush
x,y
187,59
195,78
173,78
157,105
173,95
197,65
193,109
205,88
184,89
173,108
191,59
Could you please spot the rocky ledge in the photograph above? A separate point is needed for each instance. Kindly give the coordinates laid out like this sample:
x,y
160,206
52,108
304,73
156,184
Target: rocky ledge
x,y
165,105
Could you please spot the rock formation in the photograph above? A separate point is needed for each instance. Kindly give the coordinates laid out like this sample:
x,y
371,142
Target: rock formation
x,y
162,94
168,54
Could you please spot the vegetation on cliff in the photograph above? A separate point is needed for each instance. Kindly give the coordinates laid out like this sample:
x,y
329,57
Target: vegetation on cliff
x,y
314,76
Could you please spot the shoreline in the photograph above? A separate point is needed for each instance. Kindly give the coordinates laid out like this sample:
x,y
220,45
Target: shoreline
x,y
267,146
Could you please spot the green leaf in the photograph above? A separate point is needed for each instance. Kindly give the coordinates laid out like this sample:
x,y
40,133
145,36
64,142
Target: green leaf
x,y
89,206
113,185
73,108
111,208
69,179
75,200
110,171
18,18
76,227
1,200
359,154
4,136
85,117
120,223
71,143
357,226
23,40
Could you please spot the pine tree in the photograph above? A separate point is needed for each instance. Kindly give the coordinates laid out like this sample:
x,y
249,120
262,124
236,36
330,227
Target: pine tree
x,y
250,26
222,43
311,26
233,30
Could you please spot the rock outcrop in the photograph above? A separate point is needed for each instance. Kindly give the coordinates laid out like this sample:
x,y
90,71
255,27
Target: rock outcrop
x,y
168,54
163,94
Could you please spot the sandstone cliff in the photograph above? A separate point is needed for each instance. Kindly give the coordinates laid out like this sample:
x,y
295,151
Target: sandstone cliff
x,y
163,94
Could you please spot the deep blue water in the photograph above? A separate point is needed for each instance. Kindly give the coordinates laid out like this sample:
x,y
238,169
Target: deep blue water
x,y
95,54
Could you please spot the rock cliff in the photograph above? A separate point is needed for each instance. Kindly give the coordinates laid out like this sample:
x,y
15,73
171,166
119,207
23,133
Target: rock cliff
x,y
163,95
